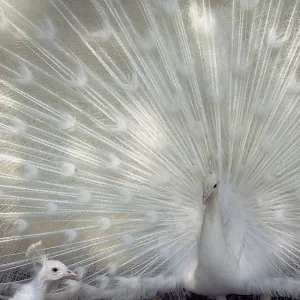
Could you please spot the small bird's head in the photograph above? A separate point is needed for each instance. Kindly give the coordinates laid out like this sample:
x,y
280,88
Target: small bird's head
x,y
54,269
210,187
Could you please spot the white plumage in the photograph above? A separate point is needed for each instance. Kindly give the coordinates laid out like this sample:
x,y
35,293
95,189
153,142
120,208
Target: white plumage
x,y
50,271
36,289
118,116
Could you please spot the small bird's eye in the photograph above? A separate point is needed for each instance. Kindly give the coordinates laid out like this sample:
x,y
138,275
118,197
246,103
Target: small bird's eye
x,y
215,185
54,270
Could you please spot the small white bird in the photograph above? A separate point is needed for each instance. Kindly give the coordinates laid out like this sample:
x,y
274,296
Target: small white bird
x,y
50,271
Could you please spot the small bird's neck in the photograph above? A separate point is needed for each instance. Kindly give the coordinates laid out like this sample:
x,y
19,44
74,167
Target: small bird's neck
x,y
41,284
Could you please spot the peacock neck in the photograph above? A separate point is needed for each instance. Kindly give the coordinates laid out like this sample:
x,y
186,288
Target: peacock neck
x,y
217,271
212,238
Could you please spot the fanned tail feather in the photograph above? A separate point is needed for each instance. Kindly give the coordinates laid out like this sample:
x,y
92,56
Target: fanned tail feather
x,y
113,112
89,176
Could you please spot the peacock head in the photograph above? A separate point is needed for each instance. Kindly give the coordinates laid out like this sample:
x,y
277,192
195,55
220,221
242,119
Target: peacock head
x,y
210,187
54,269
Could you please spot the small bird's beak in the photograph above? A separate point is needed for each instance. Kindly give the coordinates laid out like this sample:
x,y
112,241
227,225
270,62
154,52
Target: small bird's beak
x,y
70,274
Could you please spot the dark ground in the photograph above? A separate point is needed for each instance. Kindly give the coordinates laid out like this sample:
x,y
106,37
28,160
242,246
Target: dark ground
x,y
228,297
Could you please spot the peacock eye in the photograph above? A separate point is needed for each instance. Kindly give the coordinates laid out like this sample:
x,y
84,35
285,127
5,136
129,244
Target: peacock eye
x,y
215,185
54,270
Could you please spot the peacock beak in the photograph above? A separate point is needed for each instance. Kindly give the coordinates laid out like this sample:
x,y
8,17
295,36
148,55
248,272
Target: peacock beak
x,y
206,195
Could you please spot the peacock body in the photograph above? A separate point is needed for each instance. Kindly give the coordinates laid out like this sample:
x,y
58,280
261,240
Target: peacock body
x,y
113,115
